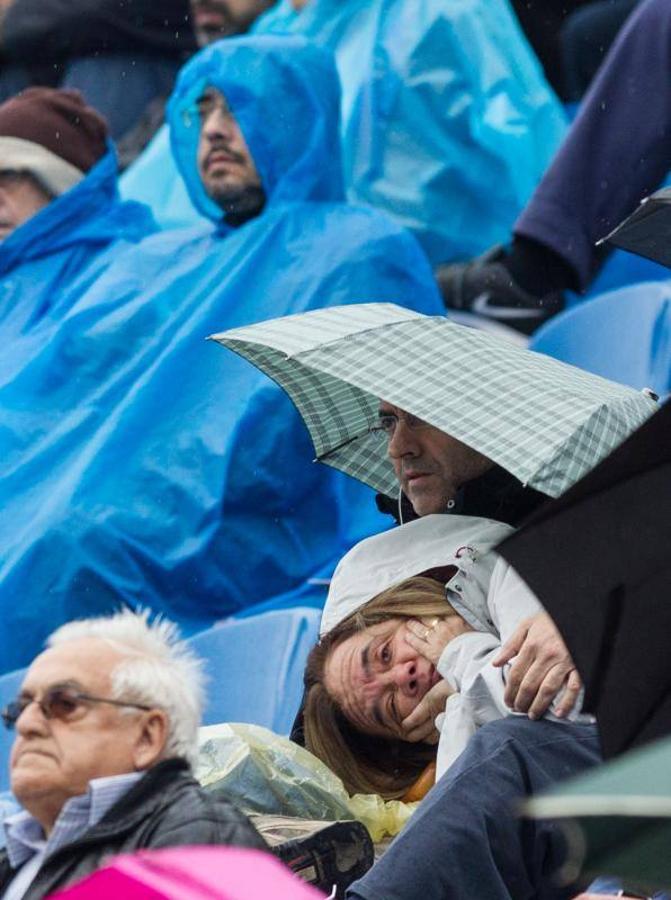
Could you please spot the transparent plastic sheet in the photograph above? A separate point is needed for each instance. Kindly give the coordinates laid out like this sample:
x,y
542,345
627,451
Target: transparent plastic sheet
x,y
262,772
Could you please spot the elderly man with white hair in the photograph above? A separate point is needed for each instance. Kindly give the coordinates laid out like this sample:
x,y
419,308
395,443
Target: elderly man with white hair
x,y
106,730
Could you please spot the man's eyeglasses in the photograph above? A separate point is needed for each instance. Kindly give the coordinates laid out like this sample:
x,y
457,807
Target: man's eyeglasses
x,y
387,422
61,703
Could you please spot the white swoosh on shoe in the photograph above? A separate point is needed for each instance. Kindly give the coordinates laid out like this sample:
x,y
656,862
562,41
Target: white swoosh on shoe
x,y
482,306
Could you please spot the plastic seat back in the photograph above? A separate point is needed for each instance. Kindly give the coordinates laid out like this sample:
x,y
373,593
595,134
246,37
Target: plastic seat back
x,y
624,335
9,688
255,667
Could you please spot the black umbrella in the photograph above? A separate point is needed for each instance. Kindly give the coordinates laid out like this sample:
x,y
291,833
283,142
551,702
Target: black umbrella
x,y
647,230
599,559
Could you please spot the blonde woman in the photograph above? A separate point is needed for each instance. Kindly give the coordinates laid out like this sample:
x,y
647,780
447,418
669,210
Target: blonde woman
x,y
414,620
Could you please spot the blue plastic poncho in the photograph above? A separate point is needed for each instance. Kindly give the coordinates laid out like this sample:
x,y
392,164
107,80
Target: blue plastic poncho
x,y
448,122
154,179
145,465
52,258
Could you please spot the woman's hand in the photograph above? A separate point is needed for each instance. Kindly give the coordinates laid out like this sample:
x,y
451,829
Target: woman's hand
x,y
429,637
420,724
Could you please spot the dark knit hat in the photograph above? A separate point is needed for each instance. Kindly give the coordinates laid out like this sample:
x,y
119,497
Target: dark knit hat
x,y
51,134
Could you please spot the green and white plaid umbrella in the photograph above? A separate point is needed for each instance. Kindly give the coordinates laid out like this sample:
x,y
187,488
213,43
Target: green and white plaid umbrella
x,y
617,818
547,423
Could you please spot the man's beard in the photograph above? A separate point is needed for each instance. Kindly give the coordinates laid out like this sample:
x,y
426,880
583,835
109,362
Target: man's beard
x,y
239,204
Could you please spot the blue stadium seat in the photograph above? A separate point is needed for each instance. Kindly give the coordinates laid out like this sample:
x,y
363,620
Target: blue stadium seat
x,y
624,335
9,688
255,667
622,269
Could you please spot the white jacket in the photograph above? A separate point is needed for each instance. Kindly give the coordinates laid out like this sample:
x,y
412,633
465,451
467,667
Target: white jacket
x,y
466,664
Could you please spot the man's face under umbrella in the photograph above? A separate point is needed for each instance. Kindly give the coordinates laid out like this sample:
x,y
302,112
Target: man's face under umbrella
x,y
430,465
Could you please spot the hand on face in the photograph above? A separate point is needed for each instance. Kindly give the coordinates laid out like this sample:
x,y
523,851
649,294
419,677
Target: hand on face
x,y
420,725
429,637
542,669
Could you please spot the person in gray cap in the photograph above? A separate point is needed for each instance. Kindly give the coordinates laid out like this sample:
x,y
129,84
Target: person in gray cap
x,y
61,219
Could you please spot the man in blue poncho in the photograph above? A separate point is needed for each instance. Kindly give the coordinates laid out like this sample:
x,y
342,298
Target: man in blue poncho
x,y
447,120
61,219
144,465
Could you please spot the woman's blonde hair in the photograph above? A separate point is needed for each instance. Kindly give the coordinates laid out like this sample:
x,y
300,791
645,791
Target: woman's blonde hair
x,y
368,764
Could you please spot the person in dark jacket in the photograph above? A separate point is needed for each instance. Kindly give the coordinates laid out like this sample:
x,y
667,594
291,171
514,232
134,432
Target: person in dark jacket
x,y
617,151
120,55
106,730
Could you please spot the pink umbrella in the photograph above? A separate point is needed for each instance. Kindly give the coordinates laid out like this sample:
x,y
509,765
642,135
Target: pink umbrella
x,y
193,873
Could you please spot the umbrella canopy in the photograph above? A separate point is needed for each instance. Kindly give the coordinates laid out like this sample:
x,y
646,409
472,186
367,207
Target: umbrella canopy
x,y
543,421
599,559
617,819
193,873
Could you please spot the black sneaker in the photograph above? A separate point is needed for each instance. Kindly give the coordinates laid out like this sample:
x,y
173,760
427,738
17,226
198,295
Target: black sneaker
x,y
329,855
482,291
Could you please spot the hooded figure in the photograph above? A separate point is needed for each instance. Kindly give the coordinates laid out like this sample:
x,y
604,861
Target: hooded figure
x,y
480,587
54,255
145,466
447,120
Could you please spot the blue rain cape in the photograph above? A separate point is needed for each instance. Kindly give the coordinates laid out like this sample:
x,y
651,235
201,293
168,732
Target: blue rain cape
x,y
52,258
448,123
154,179
147,466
